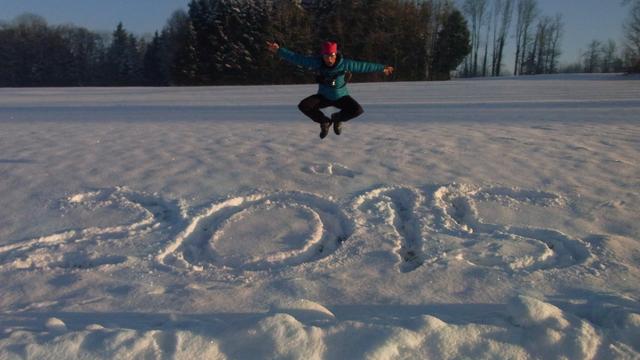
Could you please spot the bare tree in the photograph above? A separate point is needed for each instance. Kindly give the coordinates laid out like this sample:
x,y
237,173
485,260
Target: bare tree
x,y
545,51
497,10
609,50
541,43
506,16
475,11
592,56
553,52
486,45
527,11
550,45
632,35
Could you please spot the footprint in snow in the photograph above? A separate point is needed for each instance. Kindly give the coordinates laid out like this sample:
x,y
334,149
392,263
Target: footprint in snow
x,y
330,169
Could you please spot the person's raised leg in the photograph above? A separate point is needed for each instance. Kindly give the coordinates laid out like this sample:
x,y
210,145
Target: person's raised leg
x,y
311,106
349,109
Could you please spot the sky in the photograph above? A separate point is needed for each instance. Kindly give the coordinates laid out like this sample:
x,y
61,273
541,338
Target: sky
x,y
584,20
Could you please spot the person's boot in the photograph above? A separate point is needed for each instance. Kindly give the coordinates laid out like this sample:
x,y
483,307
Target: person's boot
x,y
324,129
337,124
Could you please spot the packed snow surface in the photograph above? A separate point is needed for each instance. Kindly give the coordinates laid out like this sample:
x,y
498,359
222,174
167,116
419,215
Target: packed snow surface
x,y
493,218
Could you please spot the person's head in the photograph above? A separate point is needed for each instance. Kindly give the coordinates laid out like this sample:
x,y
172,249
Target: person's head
x,y
329,53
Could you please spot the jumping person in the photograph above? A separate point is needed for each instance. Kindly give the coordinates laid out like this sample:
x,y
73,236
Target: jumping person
x,y
331,69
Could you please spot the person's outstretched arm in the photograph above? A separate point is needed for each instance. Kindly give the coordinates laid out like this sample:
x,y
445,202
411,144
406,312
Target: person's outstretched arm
x,y
367,67
308,62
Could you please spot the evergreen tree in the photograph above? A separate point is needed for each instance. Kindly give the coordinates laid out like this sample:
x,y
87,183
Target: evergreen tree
x,y
238,31
325,16
30,44
452,46
288,23
179,43
204,16
408,51
34,54
123,61
185,68
86,50
8,56
156,68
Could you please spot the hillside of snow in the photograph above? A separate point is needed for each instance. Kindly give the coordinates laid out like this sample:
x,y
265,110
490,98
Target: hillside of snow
x,y
493,218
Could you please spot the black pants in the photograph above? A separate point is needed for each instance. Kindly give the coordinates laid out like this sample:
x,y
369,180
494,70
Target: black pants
x,y
349,108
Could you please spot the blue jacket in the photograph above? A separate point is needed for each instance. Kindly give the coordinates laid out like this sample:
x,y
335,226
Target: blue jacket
x,y
336,87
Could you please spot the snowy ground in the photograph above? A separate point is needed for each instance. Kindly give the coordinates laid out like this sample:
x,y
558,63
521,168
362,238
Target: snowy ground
x,y
477,218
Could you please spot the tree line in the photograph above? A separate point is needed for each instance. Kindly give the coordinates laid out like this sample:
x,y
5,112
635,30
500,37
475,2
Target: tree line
x,y
610,56
599,57
538,40
537,45
223,42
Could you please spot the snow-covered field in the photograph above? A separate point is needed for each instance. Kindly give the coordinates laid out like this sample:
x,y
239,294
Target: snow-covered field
x,y
463,219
